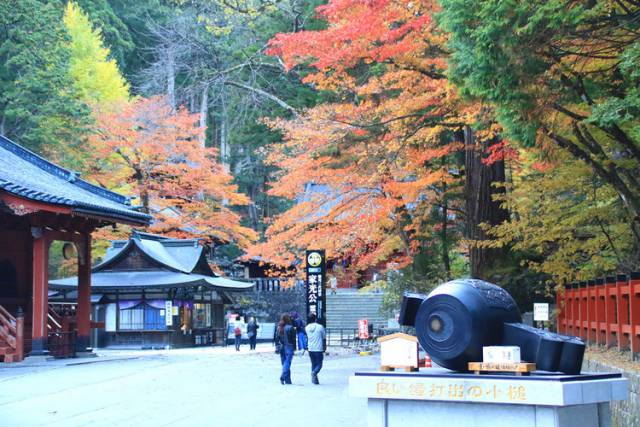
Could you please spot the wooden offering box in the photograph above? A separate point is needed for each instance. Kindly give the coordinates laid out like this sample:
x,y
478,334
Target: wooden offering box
x,y
398,351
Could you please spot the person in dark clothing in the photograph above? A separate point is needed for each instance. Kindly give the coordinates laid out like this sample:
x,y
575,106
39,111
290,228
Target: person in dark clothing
x,y
252,333
298,323
286,344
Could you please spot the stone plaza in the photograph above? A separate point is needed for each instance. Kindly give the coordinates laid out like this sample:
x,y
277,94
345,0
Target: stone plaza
x,y
194,387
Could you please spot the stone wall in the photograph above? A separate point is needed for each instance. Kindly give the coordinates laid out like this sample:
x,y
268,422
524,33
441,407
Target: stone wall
x,y
268,306
626,413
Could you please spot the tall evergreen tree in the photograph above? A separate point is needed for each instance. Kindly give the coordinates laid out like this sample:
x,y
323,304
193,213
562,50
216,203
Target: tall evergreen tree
x,y
38,104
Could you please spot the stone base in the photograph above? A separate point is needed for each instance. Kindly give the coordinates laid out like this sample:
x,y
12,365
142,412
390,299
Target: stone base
x,y
412,413
436,397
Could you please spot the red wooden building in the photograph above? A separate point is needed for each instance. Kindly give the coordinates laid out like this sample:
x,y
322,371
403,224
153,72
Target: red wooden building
x,y
41,202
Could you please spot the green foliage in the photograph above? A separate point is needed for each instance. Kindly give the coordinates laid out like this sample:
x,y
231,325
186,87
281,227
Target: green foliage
x,y
39,106
571,225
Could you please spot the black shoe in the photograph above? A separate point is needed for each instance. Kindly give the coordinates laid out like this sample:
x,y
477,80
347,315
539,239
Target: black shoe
x,y
314,379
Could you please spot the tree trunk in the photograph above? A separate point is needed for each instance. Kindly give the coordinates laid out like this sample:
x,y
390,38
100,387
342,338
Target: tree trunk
x,y
204,111
171,77
480,206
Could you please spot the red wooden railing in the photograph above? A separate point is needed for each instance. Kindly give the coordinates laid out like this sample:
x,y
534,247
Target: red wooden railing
x,y
603,311
11,336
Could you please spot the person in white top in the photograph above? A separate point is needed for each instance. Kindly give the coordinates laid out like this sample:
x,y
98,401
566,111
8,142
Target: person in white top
x,y
316,336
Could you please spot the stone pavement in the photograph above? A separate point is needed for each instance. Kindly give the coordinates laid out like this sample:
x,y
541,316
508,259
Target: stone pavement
x,y
191,387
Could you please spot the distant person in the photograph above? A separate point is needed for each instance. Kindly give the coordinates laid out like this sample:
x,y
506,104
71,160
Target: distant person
x,y
316,335
252,332
302,334
237,333
333,283
285,345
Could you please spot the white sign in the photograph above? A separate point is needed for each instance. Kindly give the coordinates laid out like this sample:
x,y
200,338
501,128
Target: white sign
x,y
501,354
168,320
541,312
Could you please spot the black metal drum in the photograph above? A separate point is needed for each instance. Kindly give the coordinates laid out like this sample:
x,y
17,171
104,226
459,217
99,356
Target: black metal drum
x,y
460,317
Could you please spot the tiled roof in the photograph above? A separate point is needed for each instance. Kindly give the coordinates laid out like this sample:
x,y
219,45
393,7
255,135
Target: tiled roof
x,y
25,174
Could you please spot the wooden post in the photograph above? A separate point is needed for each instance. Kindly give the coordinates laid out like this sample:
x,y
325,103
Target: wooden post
x,y
621,311
83,313
40,292
634,309
19,353
609,308
598,312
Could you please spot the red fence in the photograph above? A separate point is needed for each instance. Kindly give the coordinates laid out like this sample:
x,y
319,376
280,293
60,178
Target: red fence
x,y
603,311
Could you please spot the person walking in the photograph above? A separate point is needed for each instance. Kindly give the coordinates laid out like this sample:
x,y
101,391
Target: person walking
x,y
316,335
252,332
298,323
285,345
237,333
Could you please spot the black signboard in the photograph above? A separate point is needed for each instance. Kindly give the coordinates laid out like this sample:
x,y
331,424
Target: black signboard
x,y
316,276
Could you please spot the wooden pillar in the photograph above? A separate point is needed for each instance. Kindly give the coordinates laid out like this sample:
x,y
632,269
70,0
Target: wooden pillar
x,y
598,311
609,309
40,292
621,311
83,313
634,311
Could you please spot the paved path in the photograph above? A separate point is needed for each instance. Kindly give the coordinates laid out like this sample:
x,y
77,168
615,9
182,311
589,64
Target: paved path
x,y
191,387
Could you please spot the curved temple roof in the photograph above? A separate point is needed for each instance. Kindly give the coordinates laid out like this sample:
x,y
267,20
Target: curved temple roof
x,y
25,174
149,261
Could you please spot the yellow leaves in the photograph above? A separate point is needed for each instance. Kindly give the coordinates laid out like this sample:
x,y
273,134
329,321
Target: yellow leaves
x,y
95,76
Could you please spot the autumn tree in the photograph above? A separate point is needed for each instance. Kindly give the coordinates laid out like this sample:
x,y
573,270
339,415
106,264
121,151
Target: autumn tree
x,y
147,148
39,106
560,74
95,75
371,167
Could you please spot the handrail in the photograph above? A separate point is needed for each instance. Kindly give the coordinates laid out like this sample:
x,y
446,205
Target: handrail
x,y
12,331
55,318
7,320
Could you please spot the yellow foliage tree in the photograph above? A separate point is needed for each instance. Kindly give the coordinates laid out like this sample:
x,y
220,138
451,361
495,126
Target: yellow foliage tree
x,y
96,76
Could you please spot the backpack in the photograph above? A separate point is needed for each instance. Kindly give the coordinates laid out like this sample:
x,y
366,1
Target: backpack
x,y
237,331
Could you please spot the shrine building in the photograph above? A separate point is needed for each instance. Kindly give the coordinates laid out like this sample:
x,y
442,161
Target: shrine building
x,y
153,291
40,203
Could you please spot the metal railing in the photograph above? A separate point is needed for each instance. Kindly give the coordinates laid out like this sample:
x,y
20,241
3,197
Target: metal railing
x,y
348,337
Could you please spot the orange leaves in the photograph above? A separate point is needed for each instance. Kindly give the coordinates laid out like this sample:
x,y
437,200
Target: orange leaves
x,y
365,171
156,152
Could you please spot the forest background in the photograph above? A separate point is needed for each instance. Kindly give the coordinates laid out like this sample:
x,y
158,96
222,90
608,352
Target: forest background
x,y
430,140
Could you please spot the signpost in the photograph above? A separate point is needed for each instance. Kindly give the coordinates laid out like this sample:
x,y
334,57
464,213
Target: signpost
x,y
316,276
540,312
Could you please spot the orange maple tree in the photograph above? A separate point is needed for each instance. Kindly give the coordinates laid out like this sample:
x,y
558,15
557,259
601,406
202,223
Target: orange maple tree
x,y
367,168
146,148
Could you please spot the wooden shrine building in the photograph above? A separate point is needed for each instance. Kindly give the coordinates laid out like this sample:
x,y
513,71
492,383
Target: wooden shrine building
x,y
41,202
156,291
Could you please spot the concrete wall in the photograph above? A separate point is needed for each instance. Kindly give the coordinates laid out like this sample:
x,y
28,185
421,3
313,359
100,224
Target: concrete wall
x,y
626,413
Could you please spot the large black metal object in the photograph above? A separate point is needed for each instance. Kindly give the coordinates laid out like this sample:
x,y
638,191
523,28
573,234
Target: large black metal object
x,y
460,317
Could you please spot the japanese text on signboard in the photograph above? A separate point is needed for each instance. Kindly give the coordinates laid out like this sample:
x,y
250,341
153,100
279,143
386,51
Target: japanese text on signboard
x,y
315,294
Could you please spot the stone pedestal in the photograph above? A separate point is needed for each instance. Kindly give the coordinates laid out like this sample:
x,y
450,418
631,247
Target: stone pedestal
x,y
436,397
